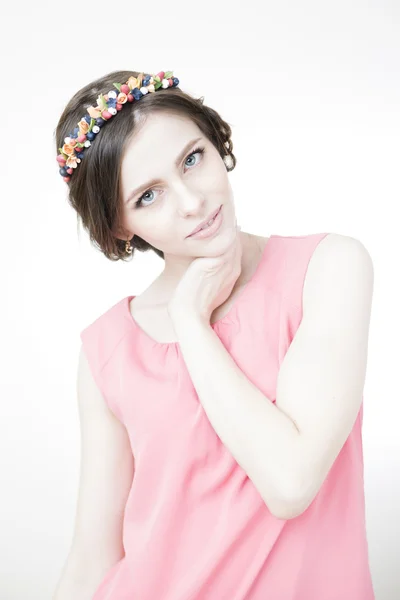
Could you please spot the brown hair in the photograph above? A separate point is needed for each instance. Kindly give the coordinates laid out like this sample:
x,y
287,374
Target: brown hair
x,y
94,188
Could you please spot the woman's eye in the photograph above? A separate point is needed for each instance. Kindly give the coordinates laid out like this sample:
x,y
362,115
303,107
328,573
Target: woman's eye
x,y
198,151
142,198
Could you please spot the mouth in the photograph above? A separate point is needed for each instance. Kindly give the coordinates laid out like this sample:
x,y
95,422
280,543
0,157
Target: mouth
x,y
208,221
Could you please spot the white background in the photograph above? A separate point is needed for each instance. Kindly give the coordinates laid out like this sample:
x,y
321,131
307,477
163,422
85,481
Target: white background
x,y
312,92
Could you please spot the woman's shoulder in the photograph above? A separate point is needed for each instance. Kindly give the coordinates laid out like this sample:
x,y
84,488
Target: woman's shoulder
x,y
103,333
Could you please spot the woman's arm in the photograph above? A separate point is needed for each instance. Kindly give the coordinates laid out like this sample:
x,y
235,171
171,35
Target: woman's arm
x,y
287,448
106,474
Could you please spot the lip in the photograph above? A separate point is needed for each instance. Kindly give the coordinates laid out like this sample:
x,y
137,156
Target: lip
x,y
211,216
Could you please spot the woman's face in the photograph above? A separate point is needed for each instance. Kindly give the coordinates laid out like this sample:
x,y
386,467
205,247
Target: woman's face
x,y
164,200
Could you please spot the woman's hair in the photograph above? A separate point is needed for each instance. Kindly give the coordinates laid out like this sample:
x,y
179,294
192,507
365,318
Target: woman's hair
x,y
95,186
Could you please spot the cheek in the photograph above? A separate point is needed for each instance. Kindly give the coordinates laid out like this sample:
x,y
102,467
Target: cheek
x,y
215,176
128,216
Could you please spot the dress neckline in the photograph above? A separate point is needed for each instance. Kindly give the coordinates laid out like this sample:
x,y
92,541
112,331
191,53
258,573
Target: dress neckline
x,y
226,317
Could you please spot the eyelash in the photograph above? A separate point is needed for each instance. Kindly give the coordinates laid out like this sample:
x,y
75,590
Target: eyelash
x,y
199,150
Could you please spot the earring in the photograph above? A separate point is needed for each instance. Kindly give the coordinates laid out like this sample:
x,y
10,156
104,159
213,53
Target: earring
x,y
228,160
128,247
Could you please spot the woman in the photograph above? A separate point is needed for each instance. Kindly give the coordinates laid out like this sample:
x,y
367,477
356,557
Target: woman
x,y
221,409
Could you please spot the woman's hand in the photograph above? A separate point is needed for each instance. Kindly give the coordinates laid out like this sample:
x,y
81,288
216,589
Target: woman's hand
x,y
207,283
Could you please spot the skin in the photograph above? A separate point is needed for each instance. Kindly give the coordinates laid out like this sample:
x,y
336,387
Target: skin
x,y
181,199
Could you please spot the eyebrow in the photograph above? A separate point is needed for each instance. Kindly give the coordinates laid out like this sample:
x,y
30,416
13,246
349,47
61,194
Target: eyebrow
x,y
178,159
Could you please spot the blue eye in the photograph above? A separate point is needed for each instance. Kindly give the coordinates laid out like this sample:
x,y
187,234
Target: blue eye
x,y
139,202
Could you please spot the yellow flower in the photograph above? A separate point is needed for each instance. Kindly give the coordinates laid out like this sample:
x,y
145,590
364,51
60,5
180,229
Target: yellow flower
x,y
83,127
94,112
68,149
122,98
132,82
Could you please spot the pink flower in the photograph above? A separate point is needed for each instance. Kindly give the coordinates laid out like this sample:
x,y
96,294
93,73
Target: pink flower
x,y
72,161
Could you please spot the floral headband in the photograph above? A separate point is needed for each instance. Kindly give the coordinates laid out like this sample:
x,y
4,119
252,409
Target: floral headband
x,y
76,143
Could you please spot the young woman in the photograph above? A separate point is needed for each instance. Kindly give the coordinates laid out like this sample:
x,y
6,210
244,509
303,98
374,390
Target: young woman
x,y
221,408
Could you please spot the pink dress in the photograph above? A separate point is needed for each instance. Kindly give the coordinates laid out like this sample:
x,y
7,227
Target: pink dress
x,y
195,527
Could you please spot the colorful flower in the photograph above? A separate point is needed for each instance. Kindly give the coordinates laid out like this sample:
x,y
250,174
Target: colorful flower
x,y
122,98
94,112
83,127
133,82
73,161
68,149
107,106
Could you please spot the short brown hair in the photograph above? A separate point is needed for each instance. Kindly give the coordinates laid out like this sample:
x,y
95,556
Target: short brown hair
x,y
95,186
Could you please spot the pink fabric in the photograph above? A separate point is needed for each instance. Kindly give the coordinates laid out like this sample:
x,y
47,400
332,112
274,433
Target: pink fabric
x,y
195,526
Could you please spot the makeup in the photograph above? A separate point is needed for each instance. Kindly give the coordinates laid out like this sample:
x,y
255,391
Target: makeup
x,y
209,230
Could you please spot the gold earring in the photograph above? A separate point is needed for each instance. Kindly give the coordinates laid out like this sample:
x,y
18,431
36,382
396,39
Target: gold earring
x,y
128,247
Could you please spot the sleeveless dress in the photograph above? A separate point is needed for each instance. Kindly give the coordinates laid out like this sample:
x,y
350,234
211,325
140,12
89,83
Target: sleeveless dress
x,y
195,527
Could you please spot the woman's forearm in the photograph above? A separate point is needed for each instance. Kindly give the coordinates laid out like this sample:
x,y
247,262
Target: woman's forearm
x,y
261,438
78,580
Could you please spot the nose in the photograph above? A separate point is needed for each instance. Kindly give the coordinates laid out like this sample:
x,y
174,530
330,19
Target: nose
x,y
190,202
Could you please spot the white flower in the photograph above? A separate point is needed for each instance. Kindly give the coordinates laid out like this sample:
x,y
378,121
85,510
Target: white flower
x,y
143,89
112,94
165,83
87,143
95,129
112,110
